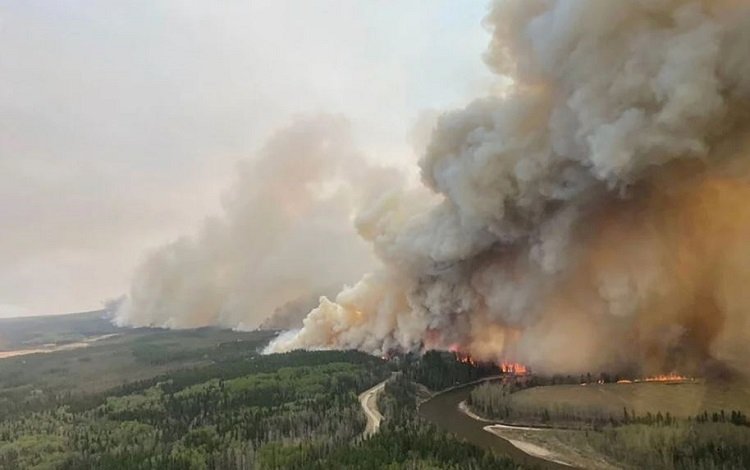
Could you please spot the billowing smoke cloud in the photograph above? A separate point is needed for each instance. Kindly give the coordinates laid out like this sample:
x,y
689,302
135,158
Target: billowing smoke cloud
x,y
594,216
288,215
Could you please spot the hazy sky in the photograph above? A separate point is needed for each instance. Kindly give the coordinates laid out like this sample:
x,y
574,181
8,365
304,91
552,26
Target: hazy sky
x,y
121,122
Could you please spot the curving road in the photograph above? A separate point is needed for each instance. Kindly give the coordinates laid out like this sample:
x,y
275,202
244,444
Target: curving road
x,y
369,401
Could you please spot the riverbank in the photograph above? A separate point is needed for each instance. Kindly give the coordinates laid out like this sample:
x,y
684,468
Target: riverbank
x,y
530,448
443,411
547,443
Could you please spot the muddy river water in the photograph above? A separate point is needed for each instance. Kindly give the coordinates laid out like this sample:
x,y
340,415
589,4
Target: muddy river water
x,y
442,410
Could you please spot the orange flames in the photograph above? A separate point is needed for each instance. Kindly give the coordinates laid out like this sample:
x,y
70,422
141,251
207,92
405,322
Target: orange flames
x,y
513,368
465,358
672,377
669,378
506,367
462,356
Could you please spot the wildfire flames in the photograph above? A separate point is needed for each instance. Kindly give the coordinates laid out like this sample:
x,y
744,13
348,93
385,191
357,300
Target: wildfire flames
x,y
506,367
513,368
666,378
464,358
518,369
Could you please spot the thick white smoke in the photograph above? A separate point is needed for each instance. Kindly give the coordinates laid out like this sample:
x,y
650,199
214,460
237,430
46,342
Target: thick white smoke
x,y
591,216
288,215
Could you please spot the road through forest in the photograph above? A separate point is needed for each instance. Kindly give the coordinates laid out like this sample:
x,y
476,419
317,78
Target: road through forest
x,y
369,401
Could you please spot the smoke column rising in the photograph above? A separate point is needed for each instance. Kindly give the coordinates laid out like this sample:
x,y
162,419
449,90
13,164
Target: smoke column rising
x,y
288,213
594,216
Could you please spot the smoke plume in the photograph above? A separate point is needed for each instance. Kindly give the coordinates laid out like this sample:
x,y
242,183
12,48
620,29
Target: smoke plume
x,y
287,216
593,216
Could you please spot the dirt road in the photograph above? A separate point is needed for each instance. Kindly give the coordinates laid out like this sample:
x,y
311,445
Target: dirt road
x,y
369,401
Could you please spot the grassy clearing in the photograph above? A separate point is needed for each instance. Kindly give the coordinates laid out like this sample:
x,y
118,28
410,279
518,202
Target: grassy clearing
x,y
681,400
691,425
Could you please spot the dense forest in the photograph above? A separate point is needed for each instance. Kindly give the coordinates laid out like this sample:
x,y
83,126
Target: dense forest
x,y
303,407
208,399
406,441
212,401
438,370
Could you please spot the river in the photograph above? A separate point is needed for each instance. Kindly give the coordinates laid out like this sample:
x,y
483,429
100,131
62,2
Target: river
x,y
442,410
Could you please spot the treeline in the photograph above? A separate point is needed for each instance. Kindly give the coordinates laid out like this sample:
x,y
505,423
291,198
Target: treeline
x,y
438,370
677,445
718,440
495,401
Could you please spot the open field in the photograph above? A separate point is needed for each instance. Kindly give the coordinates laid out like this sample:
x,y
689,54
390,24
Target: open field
x,y
691,424
679,399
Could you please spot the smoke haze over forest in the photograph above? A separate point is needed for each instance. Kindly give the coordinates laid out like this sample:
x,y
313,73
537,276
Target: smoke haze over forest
x,y
592,217
580,203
